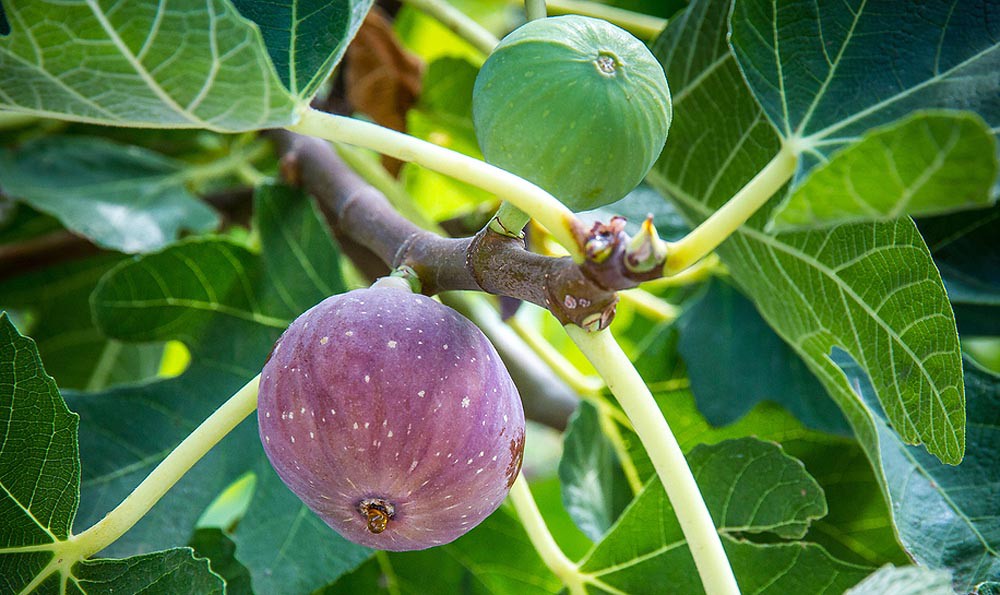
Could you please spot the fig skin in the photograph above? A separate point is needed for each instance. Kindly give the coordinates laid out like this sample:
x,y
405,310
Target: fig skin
x,y
574,104
392,417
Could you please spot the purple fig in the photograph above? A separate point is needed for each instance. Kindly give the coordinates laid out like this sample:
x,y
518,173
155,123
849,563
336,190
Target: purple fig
x,y
392,417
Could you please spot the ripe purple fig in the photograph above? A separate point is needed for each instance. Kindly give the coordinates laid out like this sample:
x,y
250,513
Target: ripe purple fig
x,y
392,417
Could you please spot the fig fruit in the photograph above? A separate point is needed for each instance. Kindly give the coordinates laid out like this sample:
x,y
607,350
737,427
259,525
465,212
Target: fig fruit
x,y
574,104
392,417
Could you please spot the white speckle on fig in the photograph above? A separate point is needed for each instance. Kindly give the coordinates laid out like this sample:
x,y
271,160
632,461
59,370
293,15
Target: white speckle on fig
x,y
380,380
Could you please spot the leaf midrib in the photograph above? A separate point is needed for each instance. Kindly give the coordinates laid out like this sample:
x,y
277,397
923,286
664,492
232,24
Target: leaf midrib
x,y
780,246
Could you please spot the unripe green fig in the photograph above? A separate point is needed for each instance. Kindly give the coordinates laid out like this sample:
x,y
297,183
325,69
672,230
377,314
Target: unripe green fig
x,y
574,104
392,417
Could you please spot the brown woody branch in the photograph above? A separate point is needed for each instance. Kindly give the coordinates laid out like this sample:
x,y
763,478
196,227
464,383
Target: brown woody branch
x,y
582,294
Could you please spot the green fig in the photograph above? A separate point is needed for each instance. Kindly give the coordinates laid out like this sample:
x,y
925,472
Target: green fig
x,y
574,104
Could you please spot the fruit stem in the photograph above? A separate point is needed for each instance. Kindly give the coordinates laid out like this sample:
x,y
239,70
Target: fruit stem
x,y
541,538
563,368
509,221
167,473
541,205
614,435
535,9
402,277
625,383
649,304
460,24
724,222
640,25
700,271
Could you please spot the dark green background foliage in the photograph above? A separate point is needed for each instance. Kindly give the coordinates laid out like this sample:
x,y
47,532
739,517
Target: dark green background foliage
x,y
820,380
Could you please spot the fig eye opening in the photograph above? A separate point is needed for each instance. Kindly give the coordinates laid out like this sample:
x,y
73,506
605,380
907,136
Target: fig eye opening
x,y
378,513
607,63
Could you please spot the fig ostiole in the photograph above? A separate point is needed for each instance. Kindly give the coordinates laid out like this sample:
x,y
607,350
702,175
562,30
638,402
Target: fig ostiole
x,y
574,104
392,417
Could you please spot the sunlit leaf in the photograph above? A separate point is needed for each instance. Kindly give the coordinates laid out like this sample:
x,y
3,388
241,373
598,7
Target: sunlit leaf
x,y
869,288
186,64
928,163
826,72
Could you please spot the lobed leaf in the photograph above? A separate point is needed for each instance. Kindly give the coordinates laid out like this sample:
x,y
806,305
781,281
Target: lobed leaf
x,y
40,491
947,517
927,163
826,72
750,487
187,64
39,460
858,527
305,38
871,289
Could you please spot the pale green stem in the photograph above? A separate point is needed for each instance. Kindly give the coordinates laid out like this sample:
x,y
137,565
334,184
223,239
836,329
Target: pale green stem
x,y
541,538
385,565
724,222
649,304
15,120
563,368
167,473
524,195
696,273
509,220
702,537
458,22
610,429
535,9
230,164
641,25
250,175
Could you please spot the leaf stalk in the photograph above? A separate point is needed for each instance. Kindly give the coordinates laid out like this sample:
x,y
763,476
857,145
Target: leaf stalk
x,y
541,538
167,473
665,453
741,207
458,22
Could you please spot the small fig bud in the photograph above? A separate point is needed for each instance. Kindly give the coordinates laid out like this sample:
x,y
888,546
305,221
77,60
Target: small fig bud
x,y
392,418
646,251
